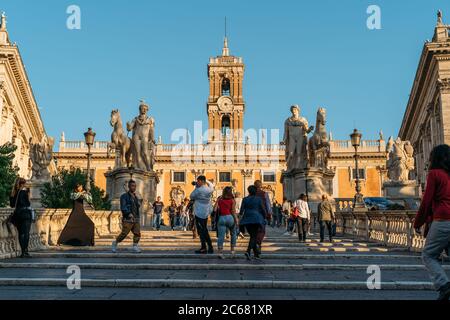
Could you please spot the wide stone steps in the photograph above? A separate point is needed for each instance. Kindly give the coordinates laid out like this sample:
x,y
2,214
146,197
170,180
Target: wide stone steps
x,y
168,268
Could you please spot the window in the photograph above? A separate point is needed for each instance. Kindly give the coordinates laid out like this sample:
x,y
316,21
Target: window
x,y
225,126
269,176
226,87
224,176
361,172
179,177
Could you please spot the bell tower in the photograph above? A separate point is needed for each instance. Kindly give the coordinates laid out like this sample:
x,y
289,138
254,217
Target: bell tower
x,y
225,105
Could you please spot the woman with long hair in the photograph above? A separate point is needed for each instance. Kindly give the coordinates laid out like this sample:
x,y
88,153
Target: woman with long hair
x,y
22,216
225,209
79,229
435,210
253,219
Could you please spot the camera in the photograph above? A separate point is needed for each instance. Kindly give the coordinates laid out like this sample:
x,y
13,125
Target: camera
x,y
194,183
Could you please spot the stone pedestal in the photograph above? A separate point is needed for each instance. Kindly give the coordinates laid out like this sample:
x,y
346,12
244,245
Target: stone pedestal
x,y
401,190
312,181
146,181
35,192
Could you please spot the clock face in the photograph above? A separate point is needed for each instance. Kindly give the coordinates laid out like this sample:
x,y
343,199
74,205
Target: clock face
x,y
225,104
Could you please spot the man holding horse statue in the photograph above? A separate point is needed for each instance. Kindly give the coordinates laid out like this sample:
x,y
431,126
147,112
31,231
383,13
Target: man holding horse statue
x,y
139,151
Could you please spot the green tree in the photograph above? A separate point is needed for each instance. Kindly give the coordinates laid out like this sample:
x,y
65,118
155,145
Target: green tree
x,y
56,194
8,172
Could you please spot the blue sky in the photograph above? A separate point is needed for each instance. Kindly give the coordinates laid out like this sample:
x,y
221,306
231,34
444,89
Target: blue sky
x,y
311,53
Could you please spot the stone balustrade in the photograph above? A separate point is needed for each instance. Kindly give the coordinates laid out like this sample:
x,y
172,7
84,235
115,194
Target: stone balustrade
x,y
390,228
48,226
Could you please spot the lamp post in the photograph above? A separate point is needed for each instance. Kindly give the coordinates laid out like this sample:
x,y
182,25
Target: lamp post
x,y
358,203
89,137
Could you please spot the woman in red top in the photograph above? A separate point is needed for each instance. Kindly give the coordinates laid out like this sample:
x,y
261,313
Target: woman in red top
x,y
435,208
225,208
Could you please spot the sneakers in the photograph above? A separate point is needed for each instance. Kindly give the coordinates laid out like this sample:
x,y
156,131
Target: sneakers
x,y
114,247
241,235
287,233
136,248
444,292
201,251
233,253
210,250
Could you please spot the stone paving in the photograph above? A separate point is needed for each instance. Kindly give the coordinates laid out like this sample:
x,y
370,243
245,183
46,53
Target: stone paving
x,y
168,269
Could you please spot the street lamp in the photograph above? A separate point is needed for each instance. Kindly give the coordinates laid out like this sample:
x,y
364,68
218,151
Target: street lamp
x,y
358,203
89,137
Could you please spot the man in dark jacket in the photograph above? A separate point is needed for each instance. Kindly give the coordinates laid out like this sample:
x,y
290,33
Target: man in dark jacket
x,y
130,206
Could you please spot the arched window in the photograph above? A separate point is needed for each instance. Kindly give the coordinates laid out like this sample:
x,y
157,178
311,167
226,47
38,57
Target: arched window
x,y
226,87
225,126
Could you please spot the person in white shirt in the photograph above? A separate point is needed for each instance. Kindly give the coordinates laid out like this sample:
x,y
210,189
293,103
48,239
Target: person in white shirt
x,y
202,210
304,215
238,199
286,212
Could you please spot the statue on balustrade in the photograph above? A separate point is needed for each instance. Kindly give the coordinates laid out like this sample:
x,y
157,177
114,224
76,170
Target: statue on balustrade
x,y
143,144
120,142
400,159
41,156
319,146
295,139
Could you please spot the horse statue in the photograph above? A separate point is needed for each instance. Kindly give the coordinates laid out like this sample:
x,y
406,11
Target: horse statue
x,y
120,141
318,144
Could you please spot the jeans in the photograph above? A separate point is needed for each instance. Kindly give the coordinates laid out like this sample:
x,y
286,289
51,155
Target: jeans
x,y
438,239
172,220
302,228
226,223
202,230
23,229
184,221
253,230
157,221
322,225
274,220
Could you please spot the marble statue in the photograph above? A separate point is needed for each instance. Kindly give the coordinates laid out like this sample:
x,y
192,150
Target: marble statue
x,y
143,139
439,17
296,140
120,142
400,159
319,146
41,155
177,194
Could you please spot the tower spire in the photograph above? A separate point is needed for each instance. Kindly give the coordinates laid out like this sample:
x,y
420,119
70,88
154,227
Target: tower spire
x,y
3,22
4,39
225,50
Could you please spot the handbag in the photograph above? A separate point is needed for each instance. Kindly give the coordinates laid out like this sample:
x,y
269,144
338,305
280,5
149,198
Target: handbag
x,y
295,213
12,219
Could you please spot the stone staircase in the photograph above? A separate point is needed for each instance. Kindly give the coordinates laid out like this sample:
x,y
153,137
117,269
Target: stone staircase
x,y
168,269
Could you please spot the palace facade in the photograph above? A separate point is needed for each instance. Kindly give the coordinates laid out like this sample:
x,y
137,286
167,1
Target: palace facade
x,y
228,157
426,122
20,119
